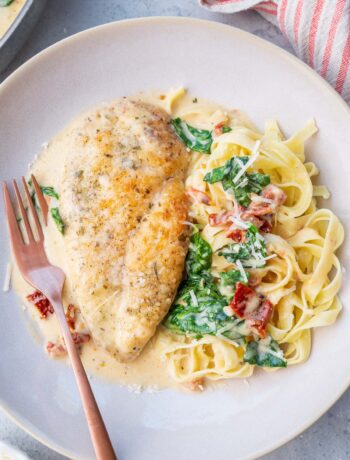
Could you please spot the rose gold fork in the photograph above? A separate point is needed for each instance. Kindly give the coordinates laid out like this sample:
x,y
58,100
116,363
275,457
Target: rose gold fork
x,y
36,270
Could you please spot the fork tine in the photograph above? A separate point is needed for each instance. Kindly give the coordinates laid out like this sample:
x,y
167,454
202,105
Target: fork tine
x,y
42,202
33,210
15,233
23,212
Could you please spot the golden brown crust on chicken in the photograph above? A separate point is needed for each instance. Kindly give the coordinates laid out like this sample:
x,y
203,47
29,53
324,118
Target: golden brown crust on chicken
x,y
125,159
153,268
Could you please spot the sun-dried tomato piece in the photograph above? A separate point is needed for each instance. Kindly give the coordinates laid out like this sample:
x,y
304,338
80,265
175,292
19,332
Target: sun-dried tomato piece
x,y
255,308
260,212
248,216
237,235
56,350
217,131
41,302
198,196
80,337
71,316
260,208
195,385
243,295
266,227
274,193
220,219
259,318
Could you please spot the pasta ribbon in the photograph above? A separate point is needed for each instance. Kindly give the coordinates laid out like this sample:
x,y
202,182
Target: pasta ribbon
x,y
303,277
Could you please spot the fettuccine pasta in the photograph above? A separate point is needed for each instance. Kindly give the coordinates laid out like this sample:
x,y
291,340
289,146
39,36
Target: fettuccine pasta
x,y
289,263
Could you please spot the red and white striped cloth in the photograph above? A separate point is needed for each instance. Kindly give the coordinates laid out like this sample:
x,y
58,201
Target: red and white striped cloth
x,y
319,31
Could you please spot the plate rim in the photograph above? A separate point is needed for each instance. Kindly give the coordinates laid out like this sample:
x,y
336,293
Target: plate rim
x,y
229,29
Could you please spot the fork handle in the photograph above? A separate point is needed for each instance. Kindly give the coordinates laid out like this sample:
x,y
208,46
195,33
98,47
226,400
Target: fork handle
x,y
99,435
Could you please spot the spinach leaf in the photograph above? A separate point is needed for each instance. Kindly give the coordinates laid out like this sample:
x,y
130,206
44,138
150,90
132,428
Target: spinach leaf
x,y
242,196
55,214
5,2
227,284
265,353
50,191
236,251
228,171
33,197
251,253
247,183
232,277
199,140
199,306
200,255
219,174
258,181
47,190
206,316
197,309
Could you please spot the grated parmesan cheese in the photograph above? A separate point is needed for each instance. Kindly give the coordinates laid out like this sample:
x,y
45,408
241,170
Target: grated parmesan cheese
x,y
257,255
252,304
193,298
254,263
243,183
258,262
191,224
152,388
271,256
253,157
7,280
189,135
239,223
242,271
264,347
134,388
105,301
220,335
260,199
228,310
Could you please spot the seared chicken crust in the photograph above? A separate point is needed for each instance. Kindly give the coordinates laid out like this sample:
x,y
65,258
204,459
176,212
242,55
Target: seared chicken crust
x,y
125,208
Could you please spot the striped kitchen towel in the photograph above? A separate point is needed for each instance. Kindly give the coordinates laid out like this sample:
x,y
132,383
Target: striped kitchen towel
x,y
319,31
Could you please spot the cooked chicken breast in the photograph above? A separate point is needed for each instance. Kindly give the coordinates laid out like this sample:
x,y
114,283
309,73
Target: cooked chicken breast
x,y
124,205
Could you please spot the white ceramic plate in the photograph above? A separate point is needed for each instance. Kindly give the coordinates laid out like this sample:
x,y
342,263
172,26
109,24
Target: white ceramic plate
x,y
238,70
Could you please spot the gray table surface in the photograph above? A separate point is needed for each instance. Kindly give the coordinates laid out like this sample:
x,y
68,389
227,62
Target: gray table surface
x,y
329,438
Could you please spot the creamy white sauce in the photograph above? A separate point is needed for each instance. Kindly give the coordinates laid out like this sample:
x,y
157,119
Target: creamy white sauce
x,y
149,369
8,14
